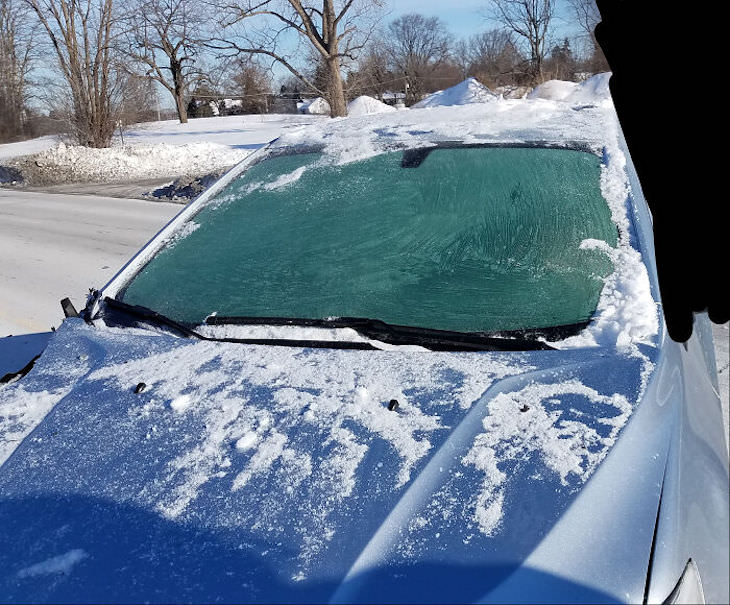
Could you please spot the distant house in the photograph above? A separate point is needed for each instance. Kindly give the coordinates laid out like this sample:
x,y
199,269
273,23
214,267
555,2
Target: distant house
x,y
393,98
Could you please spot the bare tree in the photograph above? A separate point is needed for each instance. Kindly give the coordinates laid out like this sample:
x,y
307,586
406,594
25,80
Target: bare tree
x,y
561,63
587,17
373,75
335,29
81,32
250,82
163,37
16,62
530,21
493,58
417,46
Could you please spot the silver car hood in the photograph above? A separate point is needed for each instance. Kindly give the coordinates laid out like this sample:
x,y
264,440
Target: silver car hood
x,y
137,466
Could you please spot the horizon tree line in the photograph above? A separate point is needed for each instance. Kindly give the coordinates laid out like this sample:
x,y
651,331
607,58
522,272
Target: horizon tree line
x,y
112,58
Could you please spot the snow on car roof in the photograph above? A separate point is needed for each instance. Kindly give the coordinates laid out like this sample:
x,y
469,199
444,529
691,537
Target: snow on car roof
x,y
498,121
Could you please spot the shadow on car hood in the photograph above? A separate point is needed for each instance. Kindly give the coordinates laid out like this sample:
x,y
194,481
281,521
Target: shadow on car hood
x,y
143,467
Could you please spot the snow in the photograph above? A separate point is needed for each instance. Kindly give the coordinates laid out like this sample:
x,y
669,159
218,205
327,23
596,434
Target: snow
x,y
364,105
316,106
327,393
23,408
592,90
12,150
61,564
152,150
566,446
20,412
626,312
554,90
465,93
74,163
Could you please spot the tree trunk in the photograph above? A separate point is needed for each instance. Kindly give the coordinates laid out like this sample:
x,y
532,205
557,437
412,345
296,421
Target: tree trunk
x,y
182,111
179,91
336,91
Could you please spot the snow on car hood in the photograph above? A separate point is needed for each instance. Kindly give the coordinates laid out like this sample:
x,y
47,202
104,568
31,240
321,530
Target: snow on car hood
x,y
261,473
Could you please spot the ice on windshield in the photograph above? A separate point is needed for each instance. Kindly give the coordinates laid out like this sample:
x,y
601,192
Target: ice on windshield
x,y
467,239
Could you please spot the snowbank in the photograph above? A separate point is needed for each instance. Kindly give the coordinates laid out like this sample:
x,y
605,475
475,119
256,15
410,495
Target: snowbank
x,y
465,93
74,163
365,105
318,106
593,90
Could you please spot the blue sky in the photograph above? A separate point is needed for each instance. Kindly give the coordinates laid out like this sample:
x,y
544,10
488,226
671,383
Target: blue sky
x,y
467,17
463,17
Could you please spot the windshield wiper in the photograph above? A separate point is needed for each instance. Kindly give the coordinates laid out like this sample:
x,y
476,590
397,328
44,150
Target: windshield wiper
x,y
144,315
375,329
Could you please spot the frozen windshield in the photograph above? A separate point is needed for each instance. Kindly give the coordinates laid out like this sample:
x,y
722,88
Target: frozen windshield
x,y
469,239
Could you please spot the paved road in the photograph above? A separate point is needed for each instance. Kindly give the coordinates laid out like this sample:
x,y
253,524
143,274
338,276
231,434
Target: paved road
x,y
53,246
57,245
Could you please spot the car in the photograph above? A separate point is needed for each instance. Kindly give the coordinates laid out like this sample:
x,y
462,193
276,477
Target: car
x,y
415,357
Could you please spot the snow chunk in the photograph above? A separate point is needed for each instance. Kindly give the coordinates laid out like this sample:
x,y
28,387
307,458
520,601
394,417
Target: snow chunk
x,y
526,422
181,403
365,105
465,93
318,106
554,90
286,179
61,564
626,312
247,441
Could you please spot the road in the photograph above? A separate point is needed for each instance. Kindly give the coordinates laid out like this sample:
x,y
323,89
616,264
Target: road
x,y
53,246
58,245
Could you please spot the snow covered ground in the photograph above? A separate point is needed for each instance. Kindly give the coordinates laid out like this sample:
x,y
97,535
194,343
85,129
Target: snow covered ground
x,y
164,149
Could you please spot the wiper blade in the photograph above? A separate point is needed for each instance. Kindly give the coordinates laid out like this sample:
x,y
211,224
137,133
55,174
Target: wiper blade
x,y
375,329
158,319
148,316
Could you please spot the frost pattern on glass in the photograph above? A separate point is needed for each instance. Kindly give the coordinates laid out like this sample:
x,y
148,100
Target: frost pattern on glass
x,y
471,239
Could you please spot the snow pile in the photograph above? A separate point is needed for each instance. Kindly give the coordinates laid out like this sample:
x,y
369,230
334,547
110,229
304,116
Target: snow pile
x,y
626,312
554,90
74,163
465,93
365,105
499,121
565,445
317,106
592,90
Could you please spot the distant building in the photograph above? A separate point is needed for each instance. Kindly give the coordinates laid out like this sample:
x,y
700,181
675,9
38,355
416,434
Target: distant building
x,y
394,98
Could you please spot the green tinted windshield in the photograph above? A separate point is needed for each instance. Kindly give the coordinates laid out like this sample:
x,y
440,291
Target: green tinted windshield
x,y
467,239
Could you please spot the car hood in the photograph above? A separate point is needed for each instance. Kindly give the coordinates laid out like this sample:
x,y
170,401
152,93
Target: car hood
x,y
137,466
